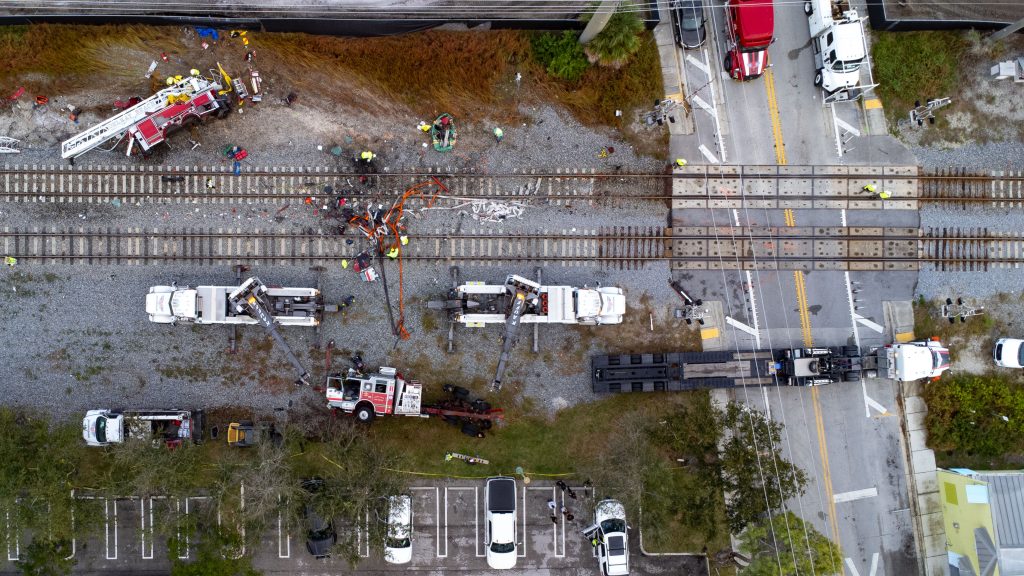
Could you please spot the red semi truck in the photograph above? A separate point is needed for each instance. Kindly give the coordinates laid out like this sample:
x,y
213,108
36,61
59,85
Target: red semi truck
x,y
751,26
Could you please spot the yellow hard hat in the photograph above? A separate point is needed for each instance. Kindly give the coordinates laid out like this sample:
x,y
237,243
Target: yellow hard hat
x,y
170,80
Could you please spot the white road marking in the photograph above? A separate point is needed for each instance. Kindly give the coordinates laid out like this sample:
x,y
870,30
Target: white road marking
x,y
874,565
874,326
847,127
872,403
767,406
737,324
282,536
753,309
17,541
106,510
699,65
835,130
707,154
855,495
700,103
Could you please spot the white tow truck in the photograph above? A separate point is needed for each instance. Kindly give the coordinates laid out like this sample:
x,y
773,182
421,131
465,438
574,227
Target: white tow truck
x,y
839,47
213,305
170,427
522,301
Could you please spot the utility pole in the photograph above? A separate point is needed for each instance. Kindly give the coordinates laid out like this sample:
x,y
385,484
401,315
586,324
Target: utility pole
x,y
1002,33
600,19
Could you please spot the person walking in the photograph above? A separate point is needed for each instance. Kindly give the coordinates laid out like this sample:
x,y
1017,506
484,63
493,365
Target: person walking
x,y
498,134
551,509
681,162
884,195
869,188
367,156
210,184
10,261
561,485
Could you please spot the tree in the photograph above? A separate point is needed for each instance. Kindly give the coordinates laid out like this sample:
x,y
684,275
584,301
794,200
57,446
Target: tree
x,y
785,545
46,557
214,556
756,477
561,55
619,40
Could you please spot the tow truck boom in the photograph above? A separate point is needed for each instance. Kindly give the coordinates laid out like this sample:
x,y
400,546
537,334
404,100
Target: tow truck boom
x,y
249,298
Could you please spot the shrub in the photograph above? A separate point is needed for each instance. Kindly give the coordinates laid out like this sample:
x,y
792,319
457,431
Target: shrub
x,y
975,416
561,55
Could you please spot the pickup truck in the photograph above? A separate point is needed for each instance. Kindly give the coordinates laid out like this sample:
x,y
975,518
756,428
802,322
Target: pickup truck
x,y
169,427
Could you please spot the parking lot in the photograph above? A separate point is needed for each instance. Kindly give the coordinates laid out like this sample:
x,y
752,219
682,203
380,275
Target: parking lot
x,y
448,535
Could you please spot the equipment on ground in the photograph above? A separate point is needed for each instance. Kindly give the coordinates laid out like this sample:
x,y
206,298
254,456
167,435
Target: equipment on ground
x,y
522,301
443,133
386,392
247,433
960,310
750,25
679,371
169,427
253,302
839,47
148,122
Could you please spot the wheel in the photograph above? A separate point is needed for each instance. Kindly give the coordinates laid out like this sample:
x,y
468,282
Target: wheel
x,y
486,424
808,9
364,414
481,406
852,376
727,63
459,392
818,79
851,351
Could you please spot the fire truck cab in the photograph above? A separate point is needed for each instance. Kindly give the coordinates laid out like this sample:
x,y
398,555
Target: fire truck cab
x,y
378,394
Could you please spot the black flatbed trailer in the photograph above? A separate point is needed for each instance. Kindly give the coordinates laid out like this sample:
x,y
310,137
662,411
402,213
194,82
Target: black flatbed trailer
x,y
681,371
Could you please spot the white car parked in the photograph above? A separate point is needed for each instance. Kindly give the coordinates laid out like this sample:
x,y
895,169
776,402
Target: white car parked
x,y
1009,353
398,543
500,532
612,534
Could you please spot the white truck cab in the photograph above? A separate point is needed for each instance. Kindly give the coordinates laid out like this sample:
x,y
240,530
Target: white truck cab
x,y
211,305
837,40
500,529
910,361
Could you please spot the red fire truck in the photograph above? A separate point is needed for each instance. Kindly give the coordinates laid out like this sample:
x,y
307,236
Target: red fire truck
x,y
387,392
751,26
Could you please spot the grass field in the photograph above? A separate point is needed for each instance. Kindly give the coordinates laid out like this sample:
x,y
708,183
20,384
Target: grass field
x,y
911,66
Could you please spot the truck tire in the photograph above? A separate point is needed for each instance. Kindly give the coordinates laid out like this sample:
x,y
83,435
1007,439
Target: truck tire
x,y
852,376
459,392
481,406
818,79
851,351
808,8
486,424
727,63
364,414
472,430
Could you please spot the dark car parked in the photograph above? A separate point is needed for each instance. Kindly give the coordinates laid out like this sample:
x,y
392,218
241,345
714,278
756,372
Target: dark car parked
x,y
320,534
689,22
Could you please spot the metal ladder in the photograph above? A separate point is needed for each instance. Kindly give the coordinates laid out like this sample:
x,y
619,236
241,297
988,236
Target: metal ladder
x,y
117,126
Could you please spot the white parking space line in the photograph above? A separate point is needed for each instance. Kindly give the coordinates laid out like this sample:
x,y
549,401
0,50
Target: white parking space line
x,y
874,326
16,538
753,309
476,518
707,154
363,536
557,528
106,526
284,538
437,519
700,103
699,65
144,529
835,130
855,495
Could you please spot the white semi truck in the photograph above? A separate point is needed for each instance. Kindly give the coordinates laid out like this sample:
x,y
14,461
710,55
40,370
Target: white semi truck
x,y
213,305
837,40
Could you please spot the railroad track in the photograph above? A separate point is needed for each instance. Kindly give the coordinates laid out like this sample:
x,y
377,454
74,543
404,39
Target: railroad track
x,y
687,248
696,187
620,247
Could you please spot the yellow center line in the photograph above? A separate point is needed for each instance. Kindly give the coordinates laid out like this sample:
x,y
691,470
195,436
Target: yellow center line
x,y
773,111
790,217
826,476
801,302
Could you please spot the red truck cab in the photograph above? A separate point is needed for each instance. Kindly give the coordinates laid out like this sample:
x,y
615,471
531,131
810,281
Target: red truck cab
x,y
751,26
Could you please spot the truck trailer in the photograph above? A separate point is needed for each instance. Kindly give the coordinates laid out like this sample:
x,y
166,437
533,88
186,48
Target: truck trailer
x,y
680,371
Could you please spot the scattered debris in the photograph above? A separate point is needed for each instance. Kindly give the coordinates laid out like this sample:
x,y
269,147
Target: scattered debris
x,y
9,145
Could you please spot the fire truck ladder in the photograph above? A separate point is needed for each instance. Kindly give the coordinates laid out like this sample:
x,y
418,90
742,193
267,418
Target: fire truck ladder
x,y
522,294
117,126
250,298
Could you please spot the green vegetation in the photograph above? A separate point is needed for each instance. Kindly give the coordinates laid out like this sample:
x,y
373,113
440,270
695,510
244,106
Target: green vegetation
x,y
910,66
975,420
561,55
620,38
46,557
785,545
